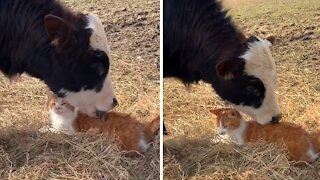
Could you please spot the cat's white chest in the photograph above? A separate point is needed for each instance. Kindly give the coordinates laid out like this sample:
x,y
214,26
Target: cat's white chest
x,y
143,143
236,135
62,124
237,139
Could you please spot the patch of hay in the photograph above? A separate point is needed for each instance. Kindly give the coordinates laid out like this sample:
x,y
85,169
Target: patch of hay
x,y
30,155
217,159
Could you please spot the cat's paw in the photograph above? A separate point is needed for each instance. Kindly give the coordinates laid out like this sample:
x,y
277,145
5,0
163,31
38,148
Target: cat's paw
x,y
44,129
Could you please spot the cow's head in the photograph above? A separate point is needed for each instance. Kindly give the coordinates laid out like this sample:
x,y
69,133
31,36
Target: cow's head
x,y
251,81
80,63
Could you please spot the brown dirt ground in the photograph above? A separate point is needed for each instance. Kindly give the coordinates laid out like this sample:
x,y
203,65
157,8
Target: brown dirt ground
x,y
132,28
193,151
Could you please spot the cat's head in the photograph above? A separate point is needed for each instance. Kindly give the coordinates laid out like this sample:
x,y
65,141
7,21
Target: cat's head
x,y
58,105
227,119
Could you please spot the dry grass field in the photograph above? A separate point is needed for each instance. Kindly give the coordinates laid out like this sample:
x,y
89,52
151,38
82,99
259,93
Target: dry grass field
x,y
193,151
132,28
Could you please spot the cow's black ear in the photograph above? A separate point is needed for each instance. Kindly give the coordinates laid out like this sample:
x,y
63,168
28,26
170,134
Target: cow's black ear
x,y
57,28
271,39
99,68
229,69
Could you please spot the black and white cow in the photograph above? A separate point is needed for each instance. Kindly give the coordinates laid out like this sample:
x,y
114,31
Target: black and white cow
x,y
67,50
201,43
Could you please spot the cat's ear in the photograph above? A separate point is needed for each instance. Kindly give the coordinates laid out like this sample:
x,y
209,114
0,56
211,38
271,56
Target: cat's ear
x,y
216,112
50,94
51,98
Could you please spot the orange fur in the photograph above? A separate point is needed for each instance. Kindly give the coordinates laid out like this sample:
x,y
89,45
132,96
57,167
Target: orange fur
x,y
300,145
132,135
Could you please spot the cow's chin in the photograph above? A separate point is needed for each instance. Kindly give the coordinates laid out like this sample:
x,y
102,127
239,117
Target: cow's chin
x,y
91,112
261,119
89,101
260,115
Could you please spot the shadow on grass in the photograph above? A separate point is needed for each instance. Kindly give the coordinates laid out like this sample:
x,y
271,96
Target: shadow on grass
x,y
210,157
28,154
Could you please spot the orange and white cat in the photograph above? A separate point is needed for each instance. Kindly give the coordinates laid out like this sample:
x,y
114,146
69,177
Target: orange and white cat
x,y
131,134
301,146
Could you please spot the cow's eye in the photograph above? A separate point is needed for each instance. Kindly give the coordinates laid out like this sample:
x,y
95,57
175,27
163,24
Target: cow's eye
x,y
99,68
256,92
100,54
252,90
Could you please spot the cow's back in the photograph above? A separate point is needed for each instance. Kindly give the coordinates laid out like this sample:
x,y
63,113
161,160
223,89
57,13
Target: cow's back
x,y
23,35
196,35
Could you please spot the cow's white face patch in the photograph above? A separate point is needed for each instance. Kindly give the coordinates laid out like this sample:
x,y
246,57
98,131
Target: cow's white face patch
x,y
88,101
260,64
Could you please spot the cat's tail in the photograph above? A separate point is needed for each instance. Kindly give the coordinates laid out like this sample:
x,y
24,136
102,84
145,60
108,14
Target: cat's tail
x,y
152,128
315,138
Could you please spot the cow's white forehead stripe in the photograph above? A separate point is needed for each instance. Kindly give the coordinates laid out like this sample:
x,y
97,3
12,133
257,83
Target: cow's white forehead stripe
x,y
98,39
258,49
259,61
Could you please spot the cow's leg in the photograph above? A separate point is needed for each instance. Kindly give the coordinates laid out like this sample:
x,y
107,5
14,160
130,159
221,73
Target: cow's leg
x,y
164,130
5,65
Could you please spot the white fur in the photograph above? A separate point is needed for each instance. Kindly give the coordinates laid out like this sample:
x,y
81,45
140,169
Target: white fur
x,y
144,144
64,121
88,101
221,130
312,154
236,135
222,133
260,63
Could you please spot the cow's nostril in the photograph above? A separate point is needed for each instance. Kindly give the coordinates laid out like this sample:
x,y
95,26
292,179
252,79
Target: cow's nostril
x,y
115,102
276,119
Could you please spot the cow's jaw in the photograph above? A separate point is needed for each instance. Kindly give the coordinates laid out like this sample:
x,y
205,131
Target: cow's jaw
x,y
89,101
